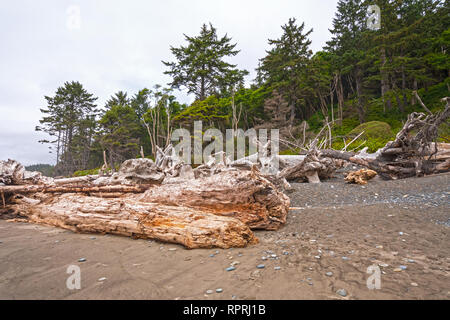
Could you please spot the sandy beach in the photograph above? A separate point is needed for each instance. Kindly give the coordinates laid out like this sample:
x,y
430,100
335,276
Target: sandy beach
x,y
334,232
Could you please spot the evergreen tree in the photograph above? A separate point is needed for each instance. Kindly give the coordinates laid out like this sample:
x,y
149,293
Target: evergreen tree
x,y
200,66
285,67
70,121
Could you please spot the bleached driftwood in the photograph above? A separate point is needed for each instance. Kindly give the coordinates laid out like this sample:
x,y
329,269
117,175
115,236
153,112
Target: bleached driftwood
x,y
128,217
245,195
412,153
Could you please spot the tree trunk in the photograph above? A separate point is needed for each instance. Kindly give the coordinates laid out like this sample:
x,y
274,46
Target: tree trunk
x,y
189,227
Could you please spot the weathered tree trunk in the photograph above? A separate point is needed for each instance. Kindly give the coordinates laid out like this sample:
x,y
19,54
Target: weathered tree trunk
x,y
189,227
244,195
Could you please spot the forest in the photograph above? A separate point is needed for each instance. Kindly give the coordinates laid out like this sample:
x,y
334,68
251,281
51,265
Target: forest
x,y
363,79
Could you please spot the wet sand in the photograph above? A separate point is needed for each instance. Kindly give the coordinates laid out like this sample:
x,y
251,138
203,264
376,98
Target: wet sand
x,y
385,223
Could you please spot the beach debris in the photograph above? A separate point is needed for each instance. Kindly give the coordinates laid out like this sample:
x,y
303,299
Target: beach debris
x,y
413,151
361,176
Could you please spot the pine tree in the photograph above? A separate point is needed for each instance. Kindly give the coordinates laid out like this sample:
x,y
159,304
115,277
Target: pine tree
x,y
200,66
285,67
70,122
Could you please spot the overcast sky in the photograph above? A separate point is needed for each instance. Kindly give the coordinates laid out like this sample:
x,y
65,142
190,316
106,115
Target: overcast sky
x,y
119,45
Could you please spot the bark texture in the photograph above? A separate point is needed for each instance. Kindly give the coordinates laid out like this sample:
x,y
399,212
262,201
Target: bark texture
x,y
128,217
241,194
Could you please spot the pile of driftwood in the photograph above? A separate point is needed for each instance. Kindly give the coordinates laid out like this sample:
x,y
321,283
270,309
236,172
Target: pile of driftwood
x,y
414,152
215,211
217,203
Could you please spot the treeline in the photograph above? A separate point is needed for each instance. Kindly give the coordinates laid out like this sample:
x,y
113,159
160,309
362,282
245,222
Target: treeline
x,y
362,74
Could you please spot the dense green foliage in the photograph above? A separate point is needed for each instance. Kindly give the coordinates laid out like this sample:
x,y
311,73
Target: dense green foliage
x,y
363,79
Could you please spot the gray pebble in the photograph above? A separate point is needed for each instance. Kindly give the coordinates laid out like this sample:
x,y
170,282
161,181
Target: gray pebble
x,y
93,238
230,269
342,292
82,260
212,255
345,258
403,267
329,274
411,261
209,291
260,266
264,258
219,290
277,268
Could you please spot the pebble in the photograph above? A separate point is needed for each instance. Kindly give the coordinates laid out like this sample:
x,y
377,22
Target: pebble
x,y
209,291
414,284
217,251
173,249
342,292
82,260
273,255
400,233
212,255
411,261
260,266
277,268
345,258
397,270
219,290
317,257
384,265
329,274
379,247
309,279
102,279
234,263
403,267
230,269
286,253
93,238
264,258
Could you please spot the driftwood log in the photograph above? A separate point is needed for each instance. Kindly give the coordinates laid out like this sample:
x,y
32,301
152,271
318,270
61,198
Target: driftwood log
x,y
245,195
189,227
215,211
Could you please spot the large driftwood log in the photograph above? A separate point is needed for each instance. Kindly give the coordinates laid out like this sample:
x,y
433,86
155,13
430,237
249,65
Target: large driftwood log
x,y
311,169
245,195
189,227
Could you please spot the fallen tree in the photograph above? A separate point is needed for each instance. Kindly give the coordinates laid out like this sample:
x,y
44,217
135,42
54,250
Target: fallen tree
x,y
414,152
218,210
244,195
189,227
